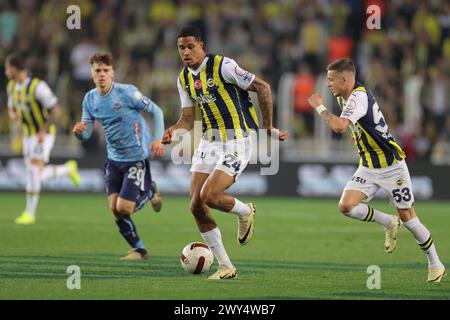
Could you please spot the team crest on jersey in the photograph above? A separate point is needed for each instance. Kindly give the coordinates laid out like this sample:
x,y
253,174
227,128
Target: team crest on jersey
x,y
210,82
197,84
399,182
117,106
350,106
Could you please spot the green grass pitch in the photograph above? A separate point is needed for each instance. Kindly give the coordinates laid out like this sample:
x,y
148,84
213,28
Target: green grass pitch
x,y
302,249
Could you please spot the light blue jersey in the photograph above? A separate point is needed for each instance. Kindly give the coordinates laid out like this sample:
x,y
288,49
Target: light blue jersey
x,y
128,137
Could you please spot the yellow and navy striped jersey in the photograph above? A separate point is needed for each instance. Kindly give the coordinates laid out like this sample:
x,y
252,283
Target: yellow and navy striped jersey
x,y
24,100
227,111
376,146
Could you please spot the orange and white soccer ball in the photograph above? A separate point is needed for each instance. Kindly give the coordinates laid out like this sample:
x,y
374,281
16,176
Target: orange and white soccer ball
x,y
196,258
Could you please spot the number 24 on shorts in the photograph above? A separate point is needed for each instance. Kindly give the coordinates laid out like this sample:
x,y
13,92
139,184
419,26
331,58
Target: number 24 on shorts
x,y
232,161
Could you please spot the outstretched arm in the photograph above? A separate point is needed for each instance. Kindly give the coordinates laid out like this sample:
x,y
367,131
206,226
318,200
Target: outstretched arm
x,y
158,120
158,128
337,124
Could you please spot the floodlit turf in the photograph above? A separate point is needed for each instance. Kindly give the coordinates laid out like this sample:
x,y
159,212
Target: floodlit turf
x,y
302,249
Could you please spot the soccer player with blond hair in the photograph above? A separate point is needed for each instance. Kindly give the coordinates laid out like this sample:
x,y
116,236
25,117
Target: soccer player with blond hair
x,y
381,163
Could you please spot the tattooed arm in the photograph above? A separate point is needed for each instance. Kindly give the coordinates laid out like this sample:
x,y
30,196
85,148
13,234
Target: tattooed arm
x,y
264,94
337,124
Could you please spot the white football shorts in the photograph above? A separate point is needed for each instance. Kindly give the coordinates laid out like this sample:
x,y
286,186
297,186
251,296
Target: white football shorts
x,y
231,156
34,150
395,179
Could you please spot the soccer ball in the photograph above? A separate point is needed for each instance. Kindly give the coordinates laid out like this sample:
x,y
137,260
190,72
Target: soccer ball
x,y
196,258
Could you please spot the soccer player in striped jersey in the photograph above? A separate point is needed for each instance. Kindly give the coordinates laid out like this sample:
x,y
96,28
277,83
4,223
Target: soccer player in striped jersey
x,y
31,101
381,163
220,88
117,107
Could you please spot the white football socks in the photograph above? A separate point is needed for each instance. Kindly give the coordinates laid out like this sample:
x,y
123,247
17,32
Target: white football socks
x,y
32,202
365,213
33,188
424,240
240,208
213,239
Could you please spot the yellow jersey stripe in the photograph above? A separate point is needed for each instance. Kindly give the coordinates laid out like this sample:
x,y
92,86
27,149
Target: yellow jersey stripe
x,y
10,86
193,94
26,113
226,97
247,127
376,148
34,105
359,89
364,149
214,108
254,115
398,149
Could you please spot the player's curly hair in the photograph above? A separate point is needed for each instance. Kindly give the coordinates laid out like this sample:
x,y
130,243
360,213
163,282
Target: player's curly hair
x,y
341,65
102,57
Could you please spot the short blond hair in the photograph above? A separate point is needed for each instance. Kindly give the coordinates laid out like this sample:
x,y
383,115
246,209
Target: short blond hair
x,y
341,65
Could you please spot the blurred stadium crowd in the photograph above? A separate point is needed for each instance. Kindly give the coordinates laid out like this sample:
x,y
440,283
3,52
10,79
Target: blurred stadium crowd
x,y
406,63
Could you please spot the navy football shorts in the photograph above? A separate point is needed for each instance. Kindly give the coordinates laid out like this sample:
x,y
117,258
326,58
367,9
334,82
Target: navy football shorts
x,y
131,179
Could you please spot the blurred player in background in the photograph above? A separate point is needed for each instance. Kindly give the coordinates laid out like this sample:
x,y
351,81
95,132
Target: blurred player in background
x,y
32,102
117,107
221,88
381,163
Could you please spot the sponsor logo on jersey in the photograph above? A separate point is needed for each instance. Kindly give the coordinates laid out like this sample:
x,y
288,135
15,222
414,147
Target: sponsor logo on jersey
x,y
197,84
117,106
245,75
347,113
351,105
206,98
239,71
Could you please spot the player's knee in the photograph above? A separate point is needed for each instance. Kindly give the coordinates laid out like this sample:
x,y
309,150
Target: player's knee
x,y
209,198
345,207
406,214
124,208
37,162
196,205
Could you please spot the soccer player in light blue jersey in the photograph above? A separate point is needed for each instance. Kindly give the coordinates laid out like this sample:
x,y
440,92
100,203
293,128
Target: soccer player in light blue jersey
x,y
117,107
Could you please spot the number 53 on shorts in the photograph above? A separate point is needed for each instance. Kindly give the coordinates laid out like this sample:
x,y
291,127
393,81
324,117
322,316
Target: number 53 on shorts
x,y
401,194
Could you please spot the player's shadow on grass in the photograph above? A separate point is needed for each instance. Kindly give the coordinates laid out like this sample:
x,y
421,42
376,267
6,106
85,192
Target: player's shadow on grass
x,y
98,267
266,265
105,266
